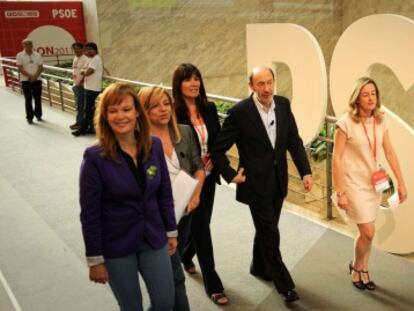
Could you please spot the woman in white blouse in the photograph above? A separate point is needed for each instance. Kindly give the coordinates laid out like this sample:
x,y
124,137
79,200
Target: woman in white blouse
x,y
181,153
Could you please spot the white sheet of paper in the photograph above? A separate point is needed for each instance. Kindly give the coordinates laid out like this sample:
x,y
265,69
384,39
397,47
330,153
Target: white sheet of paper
x,y
183,188
394,201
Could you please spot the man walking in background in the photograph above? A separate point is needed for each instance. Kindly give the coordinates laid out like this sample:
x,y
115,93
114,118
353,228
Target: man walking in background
x,y
30,65
93,86
263,128
79,63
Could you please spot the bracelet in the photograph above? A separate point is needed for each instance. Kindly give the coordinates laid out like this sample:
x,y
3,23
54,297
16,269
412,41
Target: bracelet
x,y
339,194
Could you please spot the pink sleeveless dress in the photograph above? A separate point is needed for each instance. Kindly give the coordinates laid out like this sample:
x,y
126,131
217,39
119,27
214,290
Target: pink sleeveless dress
x,y
358,166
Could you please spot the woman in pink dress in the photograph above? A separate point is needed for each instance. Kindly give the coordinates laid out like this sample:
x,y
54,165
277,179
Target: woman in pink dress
x,y
359,136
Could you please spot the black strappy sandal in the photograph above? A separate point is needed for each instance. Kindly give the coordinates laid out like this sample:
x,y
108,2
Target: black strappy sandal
x,y
218,299
370,285
191,269
358,284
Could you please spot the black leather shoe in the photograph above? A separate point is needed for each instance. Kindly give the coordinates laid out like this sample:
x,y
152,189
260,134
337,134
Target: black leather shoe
x,y
78,133
30,121
74,126
39,119
290,296
262,276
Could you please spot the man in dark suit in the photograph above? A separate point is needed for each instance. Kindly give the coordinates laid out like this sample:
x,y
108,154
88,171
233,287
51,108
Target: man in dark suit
x,y
263,128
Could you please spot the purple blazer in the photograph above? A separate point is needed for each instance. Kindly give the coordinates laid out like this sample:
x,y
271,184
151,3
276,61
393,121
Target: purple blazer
x,y
116,215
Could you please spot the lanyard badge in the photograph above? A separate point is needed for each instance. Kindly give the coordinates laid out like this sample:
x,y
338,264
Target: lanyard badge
x,y
380,178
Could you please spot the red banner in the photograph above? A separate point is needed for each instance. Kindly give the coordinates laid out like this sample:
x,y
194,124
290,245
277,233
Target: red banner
x,y
52,26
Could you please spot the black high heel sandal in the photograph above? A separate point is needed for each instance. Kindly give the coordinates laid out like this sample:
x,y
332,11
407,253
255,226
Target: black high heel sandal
x,y
358,284
191,269
370,285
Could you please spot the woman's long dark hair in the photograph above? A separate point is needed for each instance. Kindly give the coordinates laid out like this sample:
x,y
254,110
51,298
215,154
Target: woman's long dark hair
x,y
181,73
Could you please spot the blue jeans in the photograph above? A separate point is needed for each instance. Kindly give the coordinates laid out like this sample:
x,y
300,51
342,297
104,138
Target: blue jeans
x,y
181,299
155,268
79,92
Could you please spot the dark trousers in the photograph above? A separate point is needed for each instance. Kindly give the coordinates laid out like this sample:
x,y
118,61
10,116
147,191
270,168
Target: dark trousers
x,y
267,259
184,231
33,90
181,300
79,94
88,111
201,242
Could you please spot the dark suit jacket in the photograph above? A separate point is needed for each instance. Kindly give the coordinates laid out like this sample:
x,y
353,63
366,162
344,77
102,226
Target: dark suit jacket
x,y
261,162
116,214
210,116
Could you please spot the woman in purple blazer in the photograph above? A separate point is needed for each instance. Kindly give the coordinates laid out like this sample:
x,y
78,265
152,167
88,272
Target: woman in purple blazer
x,y
127,211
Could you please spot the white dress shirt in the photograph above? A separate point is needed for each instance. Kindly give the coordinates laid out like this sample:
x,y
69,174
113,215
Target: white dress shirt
x,y
268,118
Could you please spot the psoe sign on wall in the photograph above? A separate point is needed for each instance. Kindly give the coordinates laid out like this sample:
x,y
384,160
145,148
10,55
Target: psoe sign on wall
x,y
386,39
65,13
53,26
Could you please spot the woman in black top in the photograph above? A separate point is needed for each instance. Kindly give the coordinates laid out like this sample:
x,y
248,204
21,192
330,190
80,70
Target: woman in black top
x,y
193,109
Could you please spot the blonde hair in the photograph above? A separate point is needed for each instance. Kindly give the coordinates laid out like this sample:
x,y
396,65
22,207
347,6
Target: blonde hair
x,y
113,95
353,106
147,95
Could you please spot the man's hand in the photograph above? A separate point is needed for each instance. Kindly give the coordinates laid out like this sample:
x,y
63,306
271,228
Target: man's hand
x,y
307,183
172,246
194,202
98,274
239,178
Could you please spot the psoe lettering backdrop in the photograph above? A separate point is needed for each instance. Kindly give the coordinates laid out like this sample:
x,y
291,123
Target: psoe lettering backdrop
x,y
53,26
